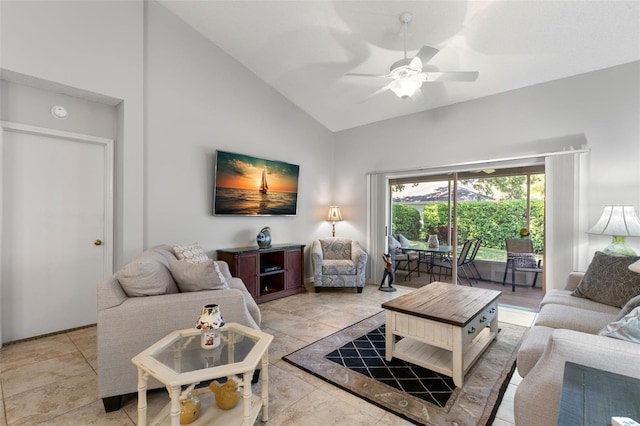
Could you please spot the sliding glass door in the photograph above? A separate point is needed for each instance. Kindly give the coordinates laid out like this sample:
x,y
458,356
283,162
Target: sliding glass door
x,y
490,204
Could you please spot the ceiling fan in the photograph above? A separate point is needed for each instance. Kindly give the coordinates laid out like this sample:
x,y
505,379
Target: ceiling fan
x,y
408,74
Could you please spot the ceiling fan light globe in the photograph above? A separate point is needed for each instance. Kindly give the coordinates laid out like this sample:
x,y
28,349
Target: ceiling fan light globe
x,y
405,88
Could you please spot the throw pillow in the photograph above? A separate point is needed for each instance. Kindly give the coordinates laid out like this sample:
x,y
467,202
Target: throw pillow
x,y
633,303
197,276
393,243
608,280
523,260
404,242
627,328
145,276
192,253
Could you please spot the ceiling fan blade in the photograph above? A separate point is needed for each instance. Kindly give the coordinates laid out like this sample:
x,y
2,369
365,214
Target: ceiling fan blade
x,y
426,53
451,76
416,64
377,92
357,74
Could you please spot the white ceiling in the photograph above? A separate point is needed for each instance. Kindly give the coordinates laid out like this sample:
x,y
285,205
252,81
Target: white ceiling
x,y
303,49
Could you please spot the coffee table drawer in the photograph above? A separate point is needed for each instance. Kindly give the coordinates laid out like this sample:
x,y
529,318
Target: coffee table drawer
x,y
479,322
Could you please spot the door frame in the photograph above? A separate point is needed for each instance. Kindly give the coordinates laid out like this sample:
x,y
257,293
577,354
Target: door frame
x,y
108,146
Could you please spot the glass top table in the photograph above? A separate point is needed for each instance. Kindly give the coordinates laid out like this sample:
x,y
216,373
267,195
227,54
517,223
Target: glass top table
x,y
184,354
178,359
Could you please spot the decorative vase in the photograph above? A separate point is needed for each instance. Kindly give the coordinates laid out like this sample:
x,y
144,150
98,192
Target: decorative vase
x,y
209,323
264,238
433,242
189,408
227,395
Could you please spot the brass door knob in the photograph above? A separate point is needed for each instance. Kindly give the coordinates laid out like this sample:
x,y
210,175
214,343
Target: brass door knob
x,y
97,242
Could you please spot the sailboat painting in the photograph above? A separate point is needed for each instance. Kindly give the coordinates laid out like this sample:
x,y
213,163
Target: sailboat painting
x,y
252,186
263,184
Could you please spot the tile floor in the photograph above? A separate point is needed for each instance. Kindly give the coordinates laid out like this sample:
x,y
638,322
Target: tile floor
x,y
58,386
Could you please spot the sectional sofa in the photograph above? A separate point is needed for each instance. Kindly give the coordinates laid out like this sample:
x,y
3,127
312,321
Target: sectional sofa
x,y
593,321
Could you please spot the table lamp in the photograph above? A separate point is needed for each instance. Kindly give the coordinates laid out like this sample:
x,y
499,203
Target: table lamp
x,y
620,222
333,217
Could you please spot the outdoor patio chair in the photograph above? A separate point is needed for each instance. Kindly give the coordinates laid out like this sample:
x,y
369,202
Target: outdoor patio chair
x,y
521,257
405,260
446,263
469,263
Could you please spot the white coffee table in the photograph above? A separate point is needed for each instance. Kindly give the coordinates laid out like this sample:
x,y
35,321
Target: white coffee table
x,y
178,360
446,327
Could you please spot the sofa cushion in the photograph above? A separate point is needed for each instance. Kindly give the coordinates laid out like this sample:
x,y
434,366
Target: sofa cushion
x,y
336,248
146,275
192,253
197,276
608,280
564,297
572,318
627,328
339,267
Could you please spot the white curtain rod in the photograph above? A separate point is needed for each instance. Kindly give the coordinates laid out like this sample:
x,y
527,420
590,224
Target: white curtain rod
x,y
456,167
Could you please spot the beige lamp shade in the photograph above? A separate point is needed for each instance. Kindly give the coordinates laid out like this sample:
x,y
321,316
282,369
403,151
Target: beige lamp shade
x,y
334,214
333,217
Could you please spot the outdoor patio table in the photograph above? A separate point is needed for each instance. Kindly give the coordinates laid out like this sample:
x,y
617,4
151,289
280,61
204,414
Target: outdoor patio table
x,y
426,254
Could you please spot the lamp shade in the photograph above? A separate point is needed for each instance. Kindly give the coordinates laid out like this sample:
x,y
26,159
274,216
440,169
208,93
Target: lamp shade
x,y
334,214
619,221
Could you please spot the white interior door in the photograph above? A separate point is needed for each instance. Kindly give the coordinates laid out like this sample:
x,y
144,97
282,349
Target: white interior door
x,y
56,230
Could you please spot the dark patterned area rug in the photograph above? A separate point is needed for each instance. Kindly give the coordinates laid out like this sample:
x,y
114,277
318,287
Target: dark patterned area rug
x,y
353,359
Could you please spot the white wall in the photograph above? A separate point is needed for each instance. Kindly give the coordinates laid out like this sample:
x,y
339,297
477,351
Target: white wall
x,y
604,106
31,105
91,49
193,99
197,100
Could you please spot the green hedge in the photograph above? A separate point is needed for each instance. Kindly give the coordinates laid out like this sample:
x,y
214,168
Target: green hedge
x,y
493,221
406,221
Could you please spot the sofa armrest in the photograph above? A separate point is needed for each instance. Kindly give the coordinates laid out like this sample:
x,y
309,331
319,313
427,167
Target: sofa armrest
x,y
316,261
573,280
224,268
110,293
537,398
358,255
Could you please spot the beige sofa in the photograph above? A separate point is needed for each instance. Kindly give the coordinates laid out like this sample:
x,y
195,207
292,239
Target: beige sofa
x,y
566,329
127,325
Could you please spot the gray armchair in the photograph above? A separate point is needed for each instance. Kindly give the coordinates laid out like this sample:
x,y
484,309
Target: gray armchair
x,y
338,262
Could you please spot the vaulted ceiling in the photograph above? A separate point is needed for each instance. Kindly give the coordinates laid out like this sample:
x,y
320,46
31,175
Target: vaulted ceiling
x,y
303,49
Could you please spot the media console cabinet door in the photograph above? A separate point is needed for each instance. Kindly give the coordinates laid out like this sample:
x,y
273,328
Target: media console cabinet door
x,y
248,271
294,275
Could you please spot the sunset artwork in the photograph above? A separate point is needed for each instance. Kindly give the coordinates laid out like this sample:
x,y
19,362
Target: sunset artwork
x,y
246,185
